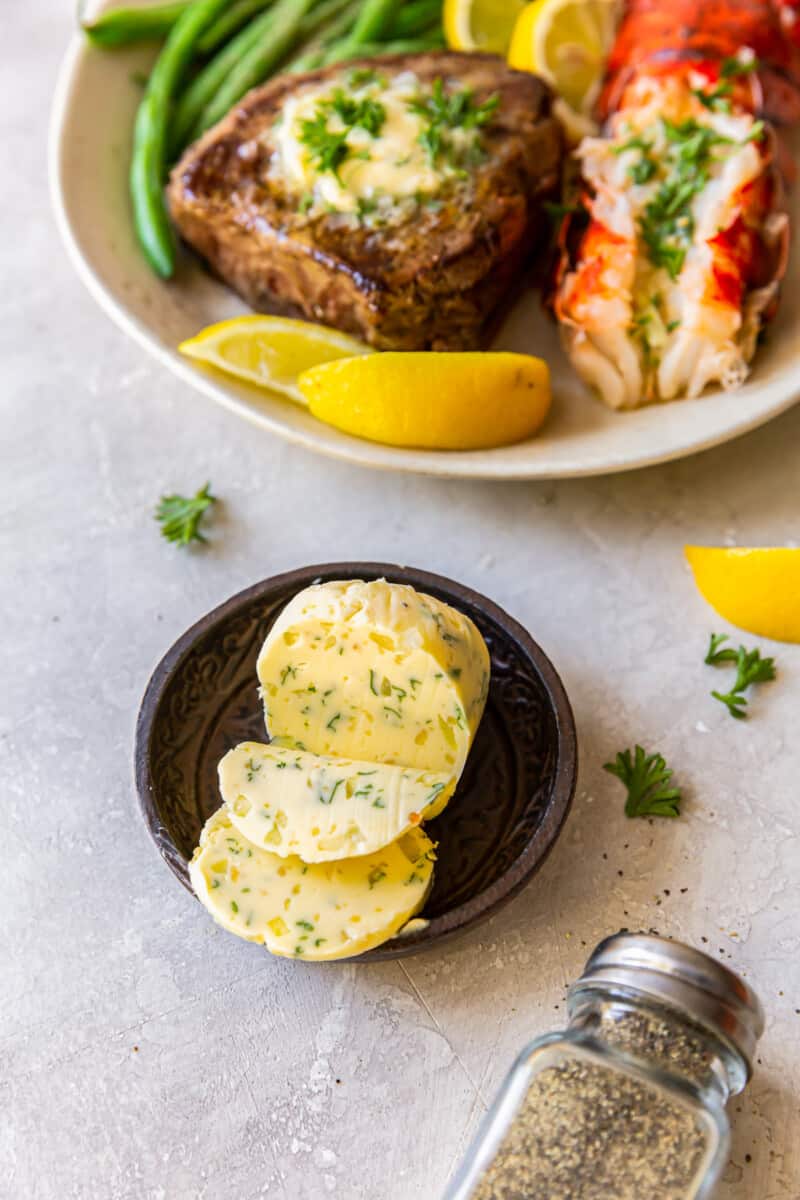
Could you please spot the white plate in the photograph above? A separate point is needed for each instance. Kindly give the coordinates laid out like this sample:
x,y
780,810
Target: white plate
x,y
90,137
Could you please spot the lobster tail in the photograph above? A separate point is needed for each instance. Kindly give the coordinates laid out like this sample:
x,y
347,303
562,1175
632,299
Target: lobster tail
x,y
699,35
673,262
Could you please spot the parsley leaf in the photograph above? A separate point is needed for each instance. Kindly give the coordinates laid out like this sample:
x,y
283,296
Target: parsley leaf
x,y
180,516
719,98
667,224
329,148
715,655
446,111
731,68
557,211
750,668
646,777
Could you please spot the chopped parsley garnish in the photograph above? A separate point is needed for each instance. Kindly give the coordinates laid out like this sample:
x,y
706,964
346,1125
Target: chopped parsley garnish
x,y
750,668
557,211
718,99
647,779
667,224
332,793
435,791
375,876
329,148
366,206
445,112
252,768
643,169
361,76
180,516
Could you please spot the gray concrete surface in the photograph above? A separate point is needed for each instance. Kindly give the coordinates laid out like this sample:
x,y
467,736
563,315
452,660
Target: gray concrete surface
x,y
144,1053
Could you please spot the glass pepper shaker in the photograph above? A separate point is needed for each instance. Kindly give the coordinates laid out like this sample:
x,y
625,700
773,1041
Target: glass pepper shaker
x,y
627,1103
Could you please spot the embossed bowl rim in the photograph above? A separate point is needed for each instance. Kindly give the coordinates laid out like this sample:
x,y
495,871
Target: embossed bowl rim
x,y
518,873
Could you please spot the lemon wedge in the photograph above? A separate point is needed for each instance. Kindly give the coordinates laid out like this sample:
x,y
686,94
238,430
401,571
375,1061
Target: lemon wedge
x,y
567,43
430,400
269,352
480,24
755,589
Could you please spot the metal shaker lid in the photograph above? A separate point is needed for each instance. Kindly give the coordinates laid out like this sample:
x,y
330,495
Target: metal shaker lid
x,y
682,978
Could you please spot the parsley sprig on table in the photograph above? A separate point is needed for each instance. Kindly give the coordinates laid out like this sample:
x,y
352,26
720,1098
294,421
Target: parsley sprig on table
x,y
180,516
647,779
750,668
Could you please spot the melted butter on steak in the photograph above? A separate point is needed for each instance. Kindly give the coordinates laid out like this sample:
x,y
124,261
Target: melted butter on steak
x,y
374,149
435,280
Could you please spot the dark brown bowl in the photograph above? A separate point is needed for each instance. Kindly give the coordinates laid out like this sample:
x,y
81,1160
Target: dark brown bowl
x,y
510,804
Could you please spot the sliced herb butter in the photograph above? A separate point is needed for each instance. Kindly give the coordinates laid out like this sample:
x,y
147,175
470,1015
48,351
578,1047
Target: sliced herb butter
x,y
375,671
312,911
324,808
369,146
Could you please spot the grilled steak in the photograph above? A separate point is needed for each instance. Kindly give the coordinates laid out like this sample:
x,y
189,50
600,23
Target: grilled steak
x,y
397,199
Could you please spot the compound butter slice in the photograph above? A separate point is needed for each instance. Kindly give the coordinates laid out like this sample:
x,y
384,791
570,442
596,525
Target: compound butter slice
x,y
314,911
375,671
322,808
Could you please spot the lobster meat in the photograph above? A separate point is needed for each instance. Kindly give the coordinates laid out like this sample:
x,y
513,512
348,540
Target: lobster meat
x,y
671,261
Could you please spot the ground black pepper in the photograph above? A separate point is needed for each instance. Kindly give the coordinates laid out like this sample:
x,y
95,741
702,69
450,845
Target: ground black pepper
x,y
588,1132
627,1103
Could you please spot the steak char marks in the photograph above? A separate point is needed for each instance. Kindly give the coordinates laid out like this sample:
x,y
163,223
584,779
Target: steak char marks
x,y
429,280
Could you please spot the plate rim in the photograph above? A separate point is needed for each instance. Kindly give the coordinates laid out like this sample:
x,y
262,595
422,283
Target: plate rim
x,y
537,849
487,464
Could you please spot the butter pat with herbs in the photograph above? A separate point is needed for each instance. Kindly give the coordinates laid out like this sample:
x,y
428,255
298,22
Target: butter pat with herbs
x,y
373,147
322,808
376,672
317,911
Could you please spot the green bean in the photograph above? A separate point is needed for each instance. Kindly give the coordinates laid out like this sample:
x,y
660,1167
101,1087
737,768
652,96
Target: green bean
x,y
204,86
123,26
150,135
415,17
345,50
371,24
257,62
230,22
328,22
324,16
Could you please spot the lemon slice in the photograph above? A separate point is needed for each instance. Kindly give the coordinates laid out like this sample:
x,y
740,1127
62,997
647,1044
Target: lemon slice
x,y
269,352
567,43
755,589
447,401
480,24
